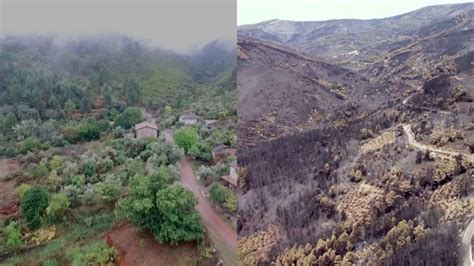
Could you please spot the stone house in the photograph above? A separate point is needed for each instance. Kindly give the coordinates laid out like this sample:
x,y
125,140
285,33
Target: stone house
x,y
231,179
146,129
188,118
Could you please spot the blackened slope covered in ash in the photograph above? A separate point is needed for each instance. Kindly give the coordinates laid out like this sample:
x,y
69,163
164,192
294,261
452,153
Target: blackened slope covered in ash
x,y
357,174
284,177
281,92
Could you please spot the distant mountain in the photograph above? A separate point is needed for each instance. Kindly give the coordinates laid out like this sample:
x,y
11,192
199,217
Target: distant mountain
x,y
214,60
356,39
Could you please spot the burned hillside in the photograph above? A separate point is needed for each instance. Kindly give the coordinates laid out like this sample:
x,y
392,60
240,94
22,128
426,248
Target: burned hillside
x,y
384,177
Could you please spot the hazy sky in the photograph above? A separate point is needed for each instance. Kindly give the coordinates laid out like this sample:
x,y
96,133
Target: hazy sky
x,y
172,24
253,11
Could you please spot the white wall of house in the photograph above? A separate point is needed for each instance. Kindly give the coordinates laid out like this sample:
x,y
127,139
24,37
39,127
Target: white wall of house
x,y
146,132
233,172
188,121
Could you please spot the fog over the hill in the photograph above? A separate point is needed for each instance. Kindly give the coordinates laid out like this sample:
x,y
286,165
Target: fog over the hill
x,y
182,25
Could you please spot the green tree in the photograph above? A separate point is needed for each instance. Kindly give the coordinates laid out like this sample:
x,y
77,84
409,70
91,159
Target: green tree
x,y
53,102
9,121
85,104
109,190
56,163
167,211
33,205
69,106
129,117
201,151
179,220
58,206
217,193
12,235
29,144
186,138
133,89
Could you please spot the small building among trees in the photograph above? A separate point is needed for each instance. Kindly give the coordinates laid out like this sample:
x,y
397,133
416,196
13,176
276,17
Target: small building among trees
x,y
188,118
146,129
231,179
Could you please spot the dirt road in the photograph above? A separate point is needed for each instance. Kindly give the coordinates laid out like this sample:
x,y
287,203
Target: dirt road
x,y
466,244
438,152
222,234
468,233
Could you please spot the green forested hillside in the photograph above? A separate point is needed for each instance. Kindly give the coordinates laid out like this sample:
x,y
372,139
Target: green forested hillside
x,y
65,80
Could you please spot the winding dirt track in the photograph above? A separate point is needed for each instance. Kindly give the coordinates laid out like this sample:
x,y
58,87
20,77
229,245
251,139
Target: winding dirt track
x,y
468,232
218,228
439,152
466,243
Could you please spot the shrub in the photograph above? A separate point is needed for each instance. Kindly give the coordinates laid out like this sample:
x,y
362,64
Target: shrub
x,y
56,163
22,189
89,168
29,144
167,211
33,206
224,197
105,165
50,262
12,235
218,193
201,151
98,253
186,137
89,130
118,132
109,190
89,195
54,181
70,169
129,117
73,193
58,206
207,175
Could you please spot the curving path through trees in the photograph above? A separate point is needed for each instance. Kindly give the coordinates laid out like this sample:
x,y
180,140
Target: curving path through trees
x,y
221,233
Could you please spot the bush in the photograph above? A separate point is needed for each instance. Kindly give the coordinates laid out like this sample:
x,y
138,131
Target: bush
x,y
12,235
218,193
224,197
73,193
118,132
201,151
33,206
29,144
129,117
89,130
50,262
167,211
207,175
54,181
89,169
56,163
105,165
58,206
109,190
22,189
89,195
186,138
98,253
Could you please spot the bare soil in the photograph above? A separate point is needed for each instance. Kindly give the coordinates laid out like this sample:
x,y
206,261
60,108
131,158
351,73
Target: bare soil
x,y
137,248
8,198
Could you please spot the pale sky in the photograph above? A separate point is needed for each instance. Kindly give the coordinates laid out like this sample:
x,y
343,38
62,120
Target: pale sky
x,y
253,11
178,25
